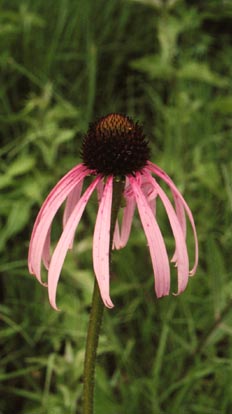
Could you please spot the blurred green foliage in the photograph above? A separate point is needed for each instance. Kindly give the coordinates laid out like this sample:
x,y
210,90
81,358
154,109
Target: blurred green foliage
x,y
167,64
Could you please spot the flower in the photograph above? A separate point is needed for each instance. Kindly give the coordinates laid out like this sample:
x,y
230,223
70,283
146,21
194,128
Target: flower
x,y
114,148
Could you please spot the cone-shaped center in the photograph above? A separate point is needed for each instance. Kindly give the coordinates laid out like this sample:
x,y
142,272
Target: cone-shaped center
x,y
114,124
115,145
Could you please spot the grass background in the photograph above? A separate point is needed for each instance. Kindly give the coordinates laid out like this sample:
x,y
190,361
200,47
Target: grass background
x,y
167,64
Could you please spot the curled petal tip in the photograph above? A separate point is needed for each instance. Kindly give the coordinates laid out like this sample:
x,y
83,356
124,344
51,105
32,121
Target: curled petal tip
x,y
109,304
106,300
54,306
43,283
38,277
56,309
178,292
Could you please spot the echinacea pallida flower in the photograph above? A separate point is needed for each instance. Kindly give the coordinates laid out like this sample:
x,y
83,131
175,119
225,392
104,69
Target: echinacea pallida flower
x,y
113,148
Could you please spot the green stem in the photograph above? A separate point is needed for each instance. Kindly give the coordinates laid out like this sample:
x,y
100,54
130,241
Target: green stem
x,y
95,320
96,314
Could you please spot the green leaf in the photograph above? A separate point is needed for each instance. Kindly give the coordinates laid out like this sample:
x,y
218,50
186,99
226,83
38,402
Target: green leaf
x,y
223,105
5,181
201,72
21,166
154,67
16,220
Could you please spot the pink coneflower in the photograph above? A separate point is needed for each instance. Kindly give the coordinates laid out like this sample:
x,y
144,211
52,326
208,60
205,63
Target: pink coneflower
x,y
113,149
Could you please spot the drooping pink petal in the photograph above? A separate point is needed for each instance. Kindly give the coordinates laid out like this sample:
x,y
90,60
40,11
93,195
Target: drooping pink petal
x,y
46,255
47,213
71,202
100,188
64,242
101,241
160,173
155,241
150,193
127,218
180,212
152,204
181,248
116,238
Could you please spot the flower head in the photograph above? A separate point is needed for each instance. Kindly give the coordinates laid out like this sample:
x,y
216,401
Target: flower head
x,y
114,147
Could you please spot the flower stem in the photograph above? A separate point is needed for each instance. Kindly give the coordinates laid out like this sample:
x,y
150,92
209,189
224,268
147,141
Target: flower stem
x,y
96,314
91,349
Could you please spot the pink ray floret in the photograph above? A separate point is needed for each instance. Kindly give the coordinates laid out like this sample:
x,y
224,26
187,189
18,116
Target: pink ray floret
x,y
142,191
101,243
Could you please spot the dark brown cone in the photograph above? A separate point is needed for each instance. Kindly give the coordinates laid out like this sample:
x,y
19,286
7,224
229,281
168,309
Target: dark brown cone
x,y
115,145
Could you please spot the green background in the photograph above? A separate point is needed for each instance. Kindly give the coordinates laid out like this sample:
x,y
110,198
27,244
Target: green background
x,y
168,65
